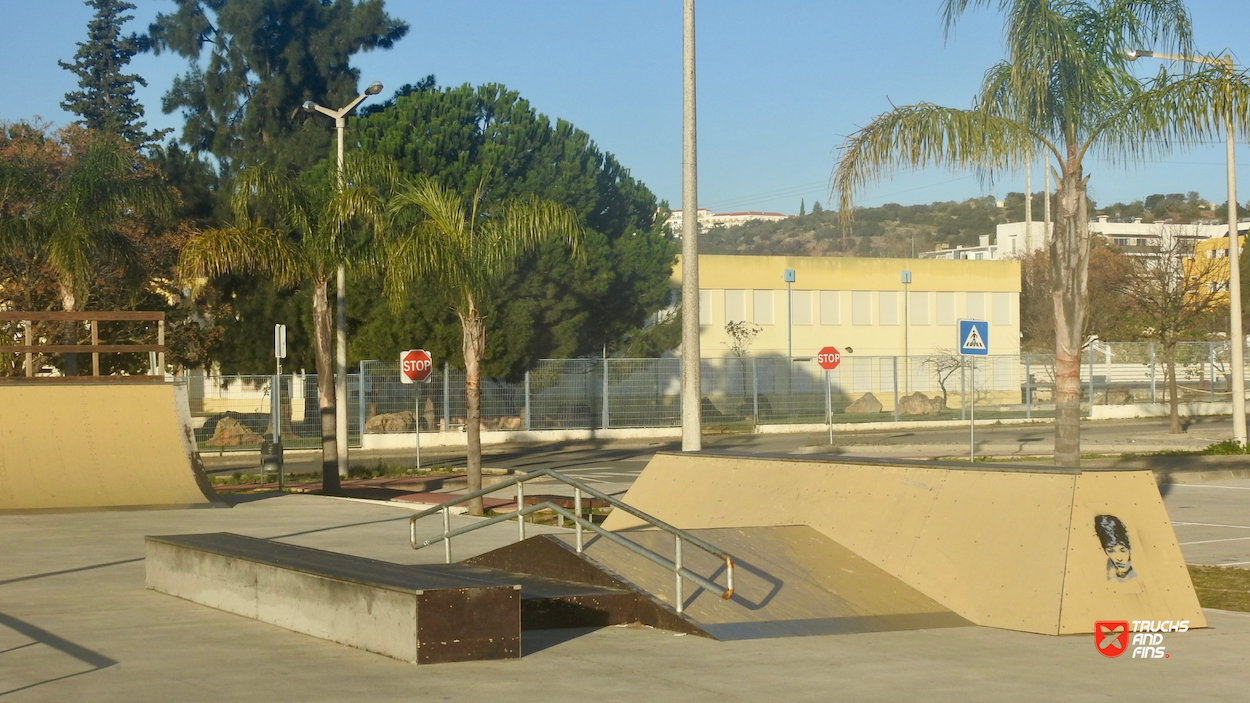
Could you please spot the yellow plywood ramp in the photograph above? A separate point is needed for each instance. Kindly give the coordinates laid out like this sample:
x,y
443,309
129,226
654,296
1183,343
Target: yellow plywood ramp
x,y
1039,550
98,445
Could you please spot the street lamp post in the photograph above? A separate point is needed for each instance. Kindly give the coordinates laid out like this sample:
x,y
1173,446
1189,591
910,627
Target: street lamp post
x,y
1236,339
340,317
691,411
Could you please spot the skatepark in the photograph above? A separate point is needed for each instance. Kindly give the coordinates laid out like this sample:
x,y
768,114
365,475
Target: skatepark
x,y
799,578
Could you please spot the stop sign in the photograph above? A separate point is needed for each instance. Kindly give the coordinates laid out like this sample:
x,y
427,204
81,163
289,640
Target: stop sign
x,y
828,358
415,366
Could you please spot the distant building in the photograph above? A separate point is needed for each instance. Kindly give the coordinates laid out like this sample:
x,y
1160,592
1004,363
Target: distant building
x,y
855,304
708,219
1210,264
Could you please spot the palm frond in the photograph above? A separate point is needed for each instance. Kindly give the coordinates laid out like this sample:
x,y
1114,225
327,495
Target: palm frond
x,y
250,249
918,136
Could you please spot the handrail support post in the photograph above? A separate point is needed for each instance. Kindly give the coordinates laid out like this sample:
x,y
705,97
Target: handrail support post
x,y
677,572
446,534
577,510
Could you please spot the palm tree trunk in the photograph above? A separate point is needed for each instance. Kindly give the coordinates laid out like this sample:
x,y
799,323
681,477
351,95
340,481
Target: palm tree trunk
x,y
323,323
1174,410
69,362
1069,272
474,346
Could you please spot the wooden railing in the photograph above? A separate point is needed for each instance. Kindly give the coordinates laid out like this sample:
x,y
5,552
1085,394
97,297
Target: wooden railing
x,y
30,348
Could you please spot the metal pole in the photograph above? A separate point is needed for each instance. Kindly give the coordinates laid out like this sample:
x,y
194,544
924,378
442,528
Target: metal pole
x,y
972,412
829,406
520,503
340,337
1236,337
606,422
447,534
416,421
906,336
95,356
895,360
527,400
1028,388
681,599
1028,202
1211,374
30,339
789,323
755,393
277,425
963,390
577,510
447,396
691,415
1091,379
360,398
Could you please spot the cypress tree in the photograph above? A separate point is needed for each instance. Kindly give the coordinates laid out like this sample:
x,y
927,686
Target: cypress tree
x,y
105,99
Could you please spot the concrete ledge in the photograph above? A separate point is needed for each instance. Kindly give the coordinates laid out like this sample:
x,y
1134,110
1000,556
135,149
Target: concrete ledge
x,y
1129,412
350,600
407,440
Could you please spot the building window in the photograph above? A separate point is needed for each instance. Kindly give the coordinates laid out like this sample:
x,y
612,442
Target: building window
x,y
801,307
888,302
861,307
705,307
980,256
735,306
1002,308
1120,241
763,301
1141,242
830,308
974,308
918,308
946,308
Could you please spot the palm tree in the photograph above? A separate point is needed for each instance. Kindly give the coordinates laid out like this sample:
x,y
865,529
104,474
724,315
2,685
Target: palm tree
x,y
1064,88
296,234
468,248
73,214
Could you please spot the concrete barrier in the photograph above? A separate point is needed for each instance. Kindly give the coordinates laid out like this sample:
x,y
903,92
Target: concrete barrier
x,y
1043,550
98,445
1138,410
372,605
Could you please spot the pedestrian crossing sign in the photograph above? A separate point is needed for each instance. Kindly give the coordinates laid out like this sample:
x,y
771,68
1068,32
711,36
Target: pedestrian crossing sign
x,y
974,337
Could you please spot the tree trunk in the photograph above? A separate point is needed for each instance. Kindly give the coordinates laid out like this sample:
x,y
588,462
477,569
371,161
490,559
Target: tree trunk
x,y
69,362
1174,409
474,346
1069,273
323,325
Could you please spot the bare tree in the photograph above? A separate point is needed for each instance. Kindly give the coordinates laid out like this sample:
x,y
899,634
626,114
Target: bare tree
x,y
944,362
1175,297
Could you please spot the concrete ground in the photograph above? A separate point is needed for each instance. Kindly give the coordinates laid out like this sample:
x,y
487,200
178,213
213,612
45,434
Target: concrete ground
x,y
77,624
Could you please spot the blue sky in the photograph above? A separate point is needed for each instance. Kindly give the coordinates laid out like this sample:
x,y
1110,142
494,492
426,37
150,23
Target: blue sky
x,y
780,84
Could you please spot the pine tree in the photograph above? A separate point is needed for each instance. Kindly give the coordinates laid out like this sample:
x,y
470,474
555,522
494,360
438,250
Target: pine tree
x,y
802,207
105,100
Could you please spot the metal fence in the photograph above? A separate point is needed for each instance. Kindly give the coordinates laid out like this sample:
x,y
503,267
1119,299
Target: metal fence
x,y
736,392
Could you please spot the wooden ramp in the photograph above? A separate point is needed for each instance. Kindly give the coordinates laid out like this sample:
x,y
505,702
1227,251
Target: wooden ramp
x,y
70,446
789,581
1020,548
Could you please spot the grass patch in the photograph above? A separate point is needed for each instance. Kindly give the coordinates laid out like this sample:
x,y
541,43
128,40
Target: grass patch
x,y
1223,587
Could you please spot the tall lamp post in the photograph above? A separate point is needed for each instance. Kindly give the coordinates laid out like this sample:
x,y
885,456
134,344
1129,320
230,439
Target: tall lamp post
x,y
340,317
1236,339
691,412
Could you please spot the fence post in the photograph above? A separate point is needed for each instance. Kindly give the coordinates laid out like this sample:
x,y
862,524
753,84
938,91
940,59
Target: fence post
x,y
1091,378
1211,365
755,393
895,360
1152,373
416,419
527,400
447,396
1028,388
606,422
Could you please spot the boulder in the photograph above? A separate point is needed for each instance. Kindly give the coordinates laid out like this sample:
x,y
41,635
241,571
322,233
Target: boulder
x,y
232,433
867,403
391,422
920,404
1119,396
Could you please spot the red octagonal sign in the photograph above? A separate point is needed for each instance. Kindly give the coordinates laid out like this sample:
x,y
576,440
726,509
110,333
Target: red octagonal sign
x,y
415,366
829,358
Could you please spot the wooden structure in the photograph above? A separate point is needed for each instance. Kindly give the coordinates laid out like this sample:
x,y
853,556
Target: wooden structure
x,y
29,348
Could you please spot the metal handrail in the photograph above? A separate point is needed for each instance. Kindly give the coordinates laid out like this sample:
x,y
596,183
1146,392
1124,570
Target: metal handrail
x,y
680,536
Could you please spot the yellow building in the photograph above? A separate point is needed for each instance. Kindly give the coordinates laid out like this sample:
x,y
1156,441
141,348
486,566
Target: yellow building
x,y
1210,266
860,306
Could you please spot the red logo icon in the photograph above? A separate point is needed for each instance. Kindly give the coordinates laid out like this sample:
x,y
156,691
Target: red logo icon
x,y
1111,636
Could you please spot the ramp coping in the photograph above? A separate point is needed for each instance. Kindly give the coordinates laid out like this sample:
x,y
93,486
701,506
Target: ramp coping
x,y
908,463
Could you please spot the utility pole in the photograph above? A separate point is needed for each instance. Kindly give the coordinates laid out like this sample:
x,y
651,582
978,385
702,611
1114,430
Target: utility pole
x,y
691,411
1028,204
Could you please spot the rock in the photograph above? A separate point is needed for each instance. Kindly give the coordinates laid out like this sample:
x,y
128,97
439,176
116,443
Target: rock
x,y
867,403
515,422
709,410
232,433
920,404
391,422
1119,396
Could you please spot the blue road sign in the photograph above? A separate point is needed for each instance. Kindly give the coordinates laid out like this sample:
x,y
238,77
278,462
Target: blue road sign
x,y
974,337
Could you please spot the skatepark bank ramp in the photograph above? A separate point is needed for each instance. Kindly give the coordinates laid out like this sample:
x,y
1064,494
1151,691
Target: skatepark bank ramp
x,y
78,446
1044,550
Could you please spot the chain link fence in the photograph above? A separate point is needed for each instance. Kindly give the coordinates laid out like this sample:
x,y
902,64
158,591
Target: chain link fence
x,y
579,394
